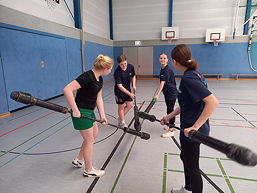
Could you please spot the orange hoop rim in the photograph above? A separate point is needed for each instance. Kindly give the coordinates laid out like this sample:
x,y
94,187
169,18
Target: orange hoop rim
x,y
215,40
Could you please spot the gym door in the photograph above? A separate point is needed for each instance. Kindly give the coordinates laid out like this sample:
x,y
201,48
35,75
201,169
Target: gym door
x,y
141,58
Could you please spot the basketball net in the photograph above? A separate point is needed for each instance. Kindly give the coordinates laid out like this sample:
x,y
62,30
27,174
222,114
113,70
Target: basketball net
x,y
215,42
169,40
51,4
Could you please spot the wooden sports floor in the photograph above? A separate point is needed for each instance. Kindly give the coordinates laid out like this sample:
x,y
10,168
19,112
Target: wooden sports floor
x,y
37,147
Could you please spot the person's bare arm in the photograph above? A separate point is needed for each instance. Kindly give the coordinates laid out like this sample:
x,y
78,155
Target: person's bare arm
x,y
100,107
159,90
166,118
124,90
68,93
134,83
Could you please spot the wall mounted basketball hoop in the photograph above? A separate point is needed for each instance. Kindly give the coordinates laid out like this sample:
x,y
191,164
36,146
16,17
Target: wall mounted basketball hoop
x,y
215,35
170,34
215,42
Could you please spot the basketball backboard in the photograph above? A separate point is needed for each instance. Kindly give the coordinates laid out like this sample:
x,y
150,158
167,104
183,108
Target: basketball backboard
x,y
170,33
215,35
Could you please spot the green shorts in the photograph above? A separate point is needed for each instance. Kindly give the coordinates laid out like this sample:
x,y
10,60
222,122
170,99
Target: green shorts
x,y
83,123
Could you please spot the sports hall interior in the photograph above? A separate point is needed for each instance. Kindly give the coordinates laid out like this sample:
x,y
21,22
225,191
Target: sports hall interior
x,y
45,44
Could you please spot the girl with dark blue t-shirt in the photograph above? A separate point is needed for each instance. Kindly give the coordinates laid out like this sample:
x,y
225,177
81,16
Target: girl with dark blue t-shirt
x,y
168,87
196,104
124,75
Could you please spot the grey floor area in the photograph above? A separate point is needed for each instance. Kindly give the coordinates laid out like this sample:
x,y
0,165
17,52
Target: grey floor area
x,y
37,146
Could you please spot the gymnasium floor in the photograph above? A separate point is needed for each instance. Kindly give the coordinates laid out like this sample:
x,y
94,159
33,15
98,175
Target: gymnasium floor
x,y
37,146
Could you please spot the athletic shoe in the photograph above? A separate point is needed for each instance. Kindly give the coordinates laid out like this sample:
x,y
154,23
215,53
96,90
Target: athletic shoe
x,y
168,134
122,124
94,173
77,163
181,190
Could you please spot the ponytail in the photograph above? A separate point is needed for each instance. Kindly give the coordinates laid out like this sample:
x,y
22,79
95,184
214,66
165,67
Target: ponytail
x,y
191,64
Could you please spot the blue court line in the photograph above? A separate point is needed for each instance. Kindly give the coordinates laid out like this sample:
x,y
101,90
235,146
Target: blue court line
x,y
9,161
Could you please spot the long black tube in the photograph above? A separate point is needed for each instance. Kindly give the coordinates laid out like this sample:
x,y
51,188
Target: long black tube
x,y
27,98
137,125
150,105
233,151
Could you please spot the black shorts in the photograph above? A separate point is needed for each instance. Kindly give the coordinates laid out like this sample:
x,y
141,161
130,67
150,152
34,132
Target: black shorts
x,y
123,99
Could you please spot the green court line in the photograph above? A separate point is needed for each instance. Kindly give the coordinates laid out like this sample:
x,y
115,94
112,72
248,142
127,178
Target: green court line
x,y
164,176
225,176
246,179
217,175
227,159
206,157
182,171
174,154
122,167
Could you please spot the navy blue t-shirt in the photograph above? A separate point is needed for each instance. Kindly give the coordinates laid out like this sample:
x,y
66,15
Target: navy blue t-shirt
x,y
192,90
124,78
169,90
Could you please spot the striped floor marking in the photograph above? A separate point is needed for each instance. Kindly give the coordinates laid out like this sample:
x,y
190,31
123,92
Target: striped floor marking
x,y
164,176
123,165
34,145
218,175
218,160
225,176
33,137
26,124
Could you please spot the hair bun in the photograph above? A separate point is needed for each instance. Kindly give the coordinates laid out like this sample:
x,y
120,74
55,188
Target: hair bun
x,y
100,57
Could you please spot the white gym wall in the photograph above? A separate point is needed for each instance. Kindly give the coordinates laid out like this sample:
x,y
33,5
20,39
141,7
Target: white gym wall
x,y
96,14
195,16
139,20
142,20
39,8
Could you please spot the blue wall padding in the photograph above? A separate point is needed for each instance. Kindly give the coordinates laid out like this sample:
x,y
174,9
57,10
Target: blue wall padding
x,y
226,59
22,53
3,101
92,50
117,51
74,67
22,50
